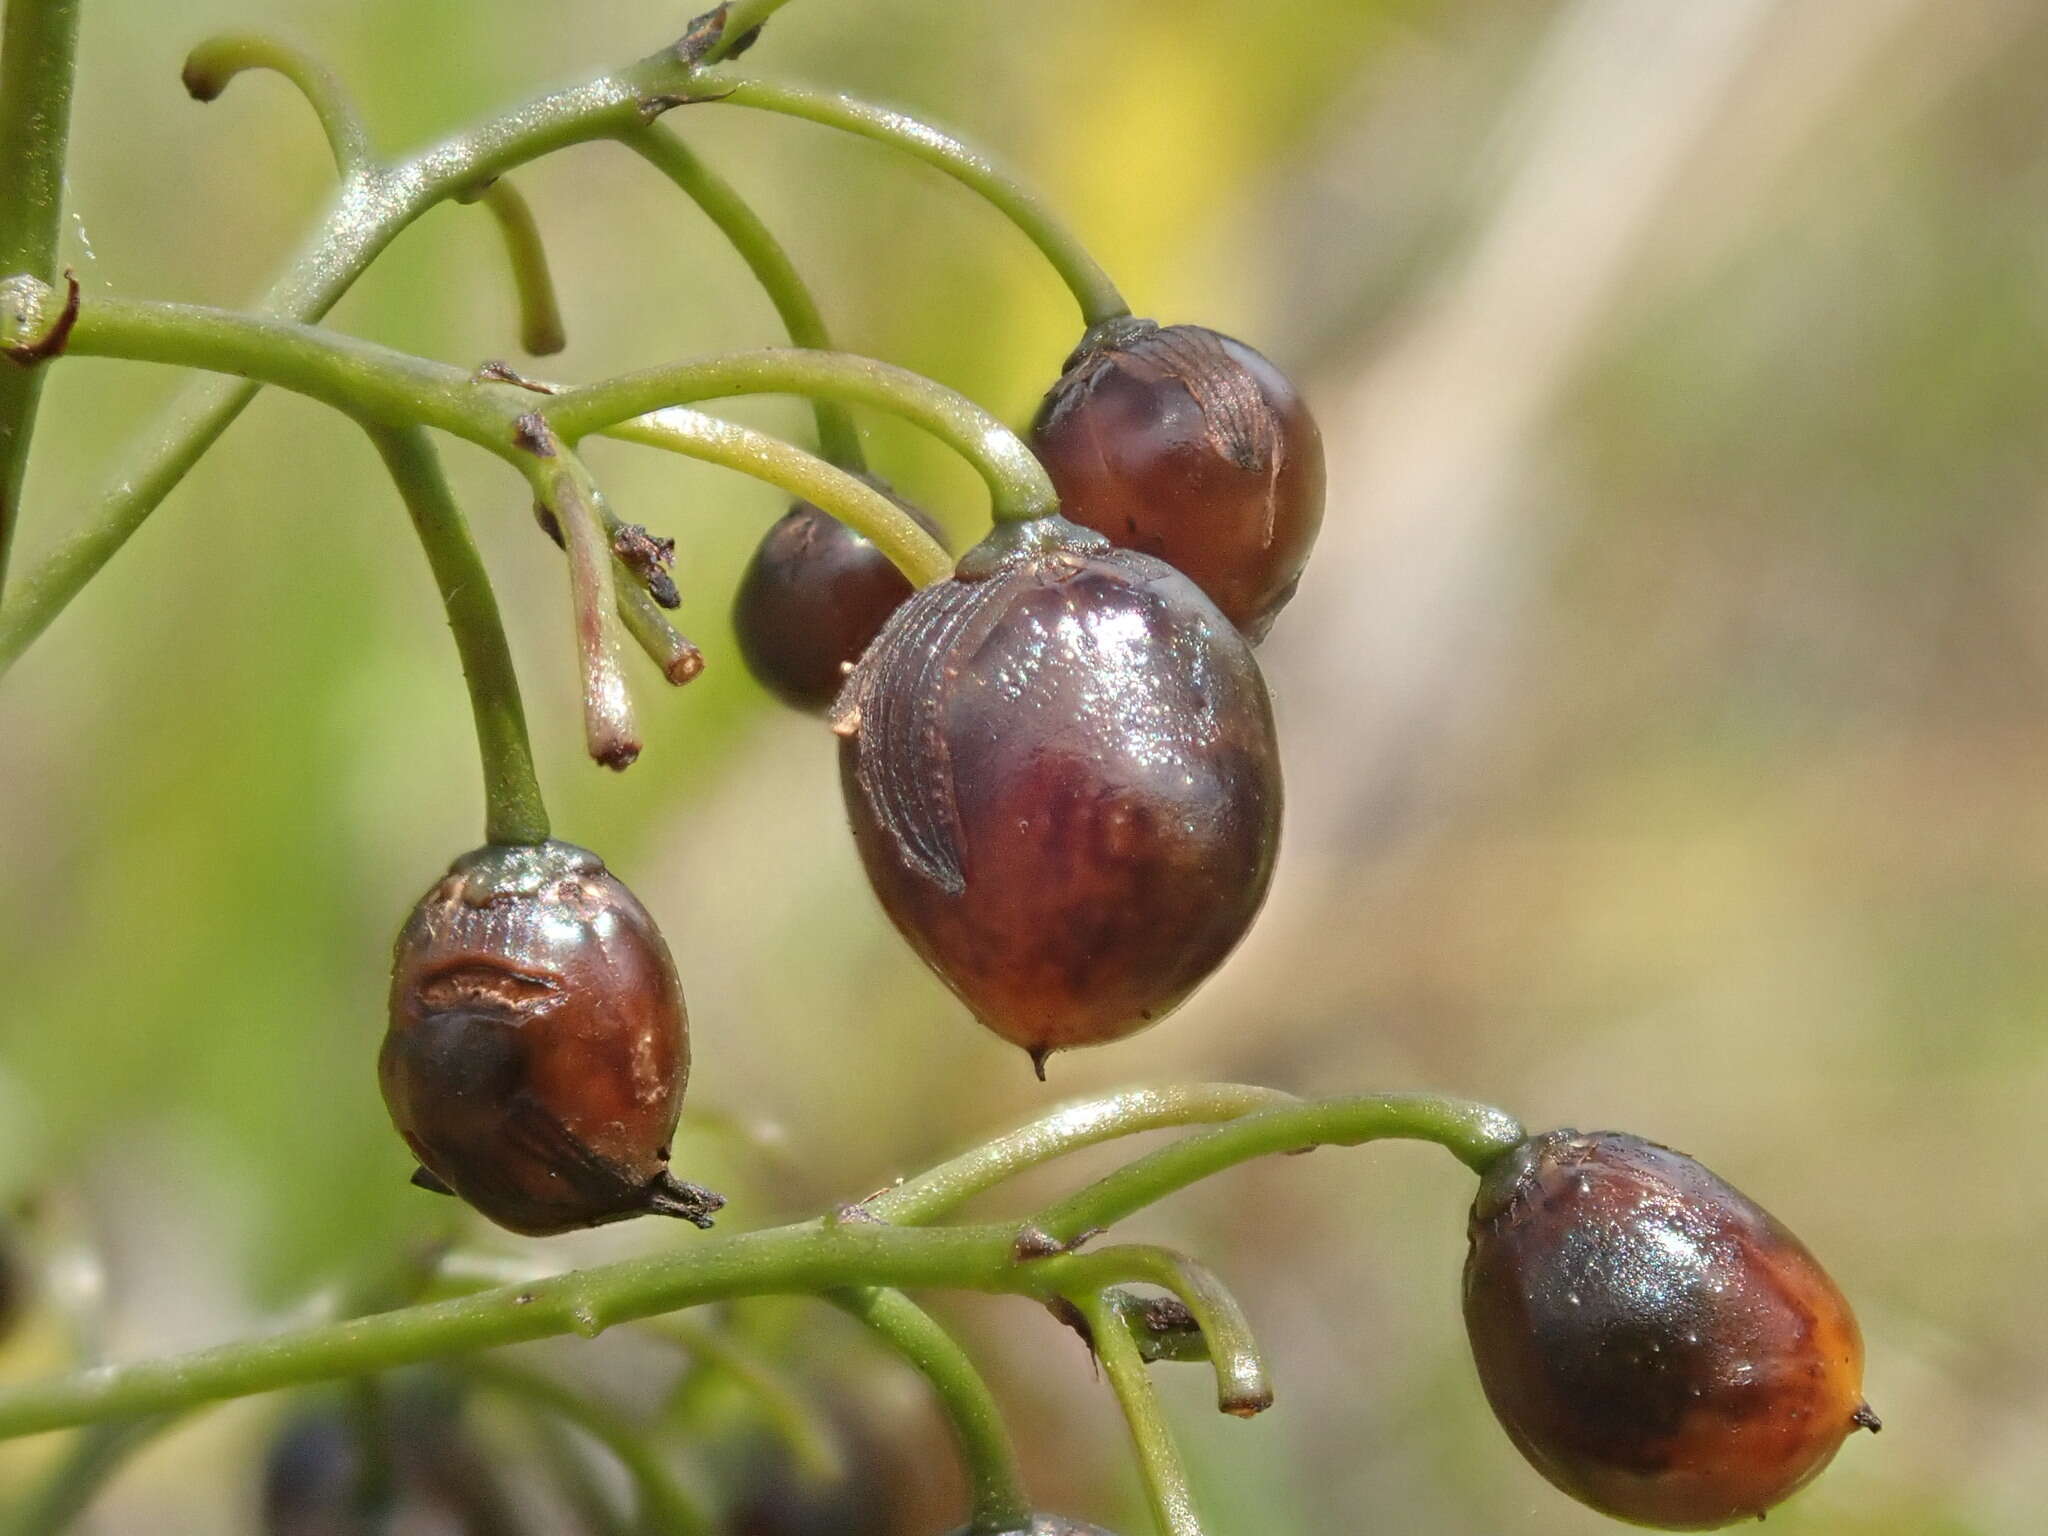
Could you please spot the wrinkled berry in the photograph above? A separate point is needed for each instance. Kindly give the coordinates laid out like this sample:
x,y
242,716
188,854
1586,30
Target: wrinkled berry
x,y
1188,445
1654,1342
1062,778
538,1047
813,598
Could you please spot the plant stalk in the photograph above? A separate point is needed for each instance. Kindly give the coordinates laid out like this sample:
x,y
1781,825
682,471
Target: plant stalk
x,y
1091,286
1159,1459
514,810
38,66
838,438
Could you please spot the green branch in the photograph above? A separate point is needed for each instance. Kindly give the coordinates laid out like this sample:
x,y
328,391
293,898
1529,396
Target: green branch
x,y
813,1258
1159,1460
541,332
368,214
215,62
514,811
946,1188
996,1486
838,438
666,1505
1083,275
1474,1133
38,64
1018,487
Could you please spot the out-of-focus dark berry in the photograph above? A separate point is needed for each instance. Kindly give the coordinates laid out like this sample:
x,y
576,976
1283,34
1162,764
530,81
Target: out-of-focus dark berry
x,y
813,598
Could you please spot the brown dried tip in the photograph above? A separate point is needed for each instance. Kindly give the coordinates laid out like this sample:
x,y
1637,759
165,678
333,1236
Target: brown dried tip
x,y
649,557
533,433
53,341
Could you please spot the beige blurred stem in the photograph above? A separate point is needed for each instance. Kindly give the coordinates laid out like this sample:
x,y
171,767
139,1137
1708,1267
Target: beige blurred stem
x,y
1423,563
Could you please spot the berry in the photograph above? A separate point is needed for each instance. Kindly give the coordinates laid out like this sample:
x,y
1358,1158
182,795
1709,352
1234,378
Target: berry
x,y
1654,1342
813,598
538,1047
1188,445
427,1474
1062,778
1047,1525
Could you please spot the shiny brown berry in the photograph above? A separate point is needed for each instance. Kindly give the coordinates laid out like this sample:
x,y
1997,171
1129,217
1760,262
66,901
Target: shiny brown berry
x,y
1654,1342
813,598
538,1047
1186,444
1062,778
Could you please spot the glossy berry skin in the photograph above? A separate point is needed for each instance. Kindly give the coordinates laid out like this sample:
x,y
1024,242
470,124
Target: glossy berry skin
x,y
1185,444
1047,1525
538,1048
1654,1342
812,599
1062,778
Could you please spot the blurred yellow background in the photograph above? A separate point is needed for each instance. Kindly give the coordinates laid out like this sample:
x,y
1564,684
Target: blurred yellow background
x,y
1664,709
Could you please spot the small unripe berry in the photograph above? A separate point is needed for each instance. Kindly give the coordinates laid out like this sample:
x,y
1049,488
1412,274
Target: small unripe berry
x,y
812,599
1653,1341
1185,444
538,1048
1062,777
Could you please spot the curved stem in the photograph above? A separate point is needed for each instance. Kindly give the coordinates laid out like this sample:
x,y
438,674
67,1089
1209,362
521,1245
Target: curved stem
x,y
1000,1503
514,810
1090,285
368,214
1159,1459
541,332
838,438
1474,1133
1241,1385
809,1439
1018,487
952,1184
666,1505
210,66
852,501
38,63
564,487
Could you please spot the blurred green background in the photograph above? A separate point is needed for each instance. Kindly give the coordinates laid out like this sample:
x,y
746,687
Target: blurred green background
x,y
1663,710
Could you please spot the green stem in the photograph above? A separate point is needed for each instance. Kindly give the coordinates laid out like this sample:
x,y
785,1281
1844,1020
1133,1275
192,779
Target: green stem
x,y
87,1466
1019,490
785,1260
1091,286
667,1508
680,661
514,811
1159,1459
541,332
838,438
368,214
852,501
1241,1385
1000,1503
1475,1133
808,1438
38,64
952,1184
210,66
